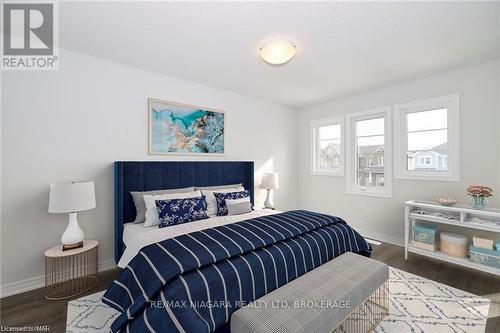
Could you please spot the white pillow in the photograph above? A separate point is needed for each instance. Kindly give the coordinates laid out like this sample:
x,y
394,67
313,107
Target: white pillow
x,y
152,217
210,198
245,199
238,206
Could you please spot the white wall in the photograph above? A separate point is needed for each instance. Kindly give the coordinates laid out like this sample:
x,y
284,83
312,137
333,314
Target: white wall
x,y
479,89
73,123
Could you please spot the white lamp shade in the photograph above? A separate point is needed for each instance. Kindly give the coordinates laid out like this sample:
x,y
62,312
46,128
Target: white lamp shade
x,y
269,181
71,197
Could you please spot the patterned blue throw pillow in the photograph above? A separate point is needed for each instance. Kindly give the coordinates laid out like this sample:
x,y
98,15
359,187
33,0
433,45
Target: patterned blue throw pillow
x,y
221,200
177,211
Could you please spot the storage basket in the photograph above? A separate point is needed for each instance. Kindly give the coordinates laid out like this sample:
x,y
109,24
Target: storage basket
x,y
424,233
485,256
453,244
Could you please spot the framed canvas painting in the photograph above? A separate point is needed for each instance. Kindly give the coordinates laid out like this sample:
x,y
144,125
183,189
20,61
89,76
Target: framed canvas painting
x,y
185,129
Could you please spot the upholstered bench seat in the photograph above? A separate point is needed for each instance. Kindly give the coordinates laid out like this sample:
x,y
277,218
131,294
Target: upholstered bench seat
x,y
348,294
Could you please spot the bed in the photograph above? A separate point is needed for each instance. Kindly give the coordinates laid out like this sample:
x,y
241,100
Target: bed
x,y
135,236
192,277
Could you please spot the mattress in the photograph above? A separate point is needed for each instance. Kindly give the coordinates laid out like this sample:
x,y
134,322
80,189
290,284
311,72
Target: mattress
x,y
136,236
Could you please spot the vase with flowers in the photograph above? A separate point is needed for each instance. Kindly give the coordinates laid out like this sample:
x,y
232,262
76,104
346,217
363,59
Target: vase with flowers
x,y
479,195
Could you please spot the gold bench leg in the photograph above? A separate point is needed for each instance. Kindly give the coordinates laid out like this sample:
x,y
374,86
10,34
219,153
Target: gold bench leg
x,y
365,317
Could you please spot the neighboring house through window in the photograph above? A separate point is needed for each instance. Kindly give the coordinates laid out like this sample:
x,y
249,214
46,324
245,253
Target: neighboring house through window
x,y
367,150
327,151
426,138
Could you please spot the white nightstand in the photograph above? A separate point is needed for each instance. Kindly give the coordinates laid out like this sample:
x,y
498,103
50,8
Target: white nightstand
x,y
72,272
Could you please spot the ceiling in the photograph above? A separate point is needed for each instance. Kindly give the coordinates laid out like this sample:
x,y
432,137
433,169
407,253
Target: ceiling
x,y
343,47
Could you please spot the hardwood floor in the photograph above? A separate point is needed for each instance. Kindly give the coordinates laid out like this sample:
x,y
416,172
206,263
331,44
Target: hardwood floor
x,y
32,309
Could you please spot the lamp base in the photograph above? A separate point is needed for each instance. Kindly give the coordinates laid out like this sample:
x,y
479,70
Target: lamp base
x,y
269,203
73,233
67,247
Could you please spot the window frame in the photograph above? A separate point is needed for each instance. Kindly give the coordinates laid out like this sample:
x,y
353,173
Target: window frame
x,y
314,145
452,104
351,163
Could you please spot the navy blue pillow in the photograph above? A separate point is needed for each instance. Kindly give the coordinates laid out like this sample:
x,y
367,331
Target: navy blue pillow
x,y
221,200
177,211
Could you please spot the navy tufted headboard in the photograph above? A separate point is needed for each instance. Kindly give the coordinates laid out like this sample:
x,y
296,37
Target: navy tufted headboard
x,y
155,175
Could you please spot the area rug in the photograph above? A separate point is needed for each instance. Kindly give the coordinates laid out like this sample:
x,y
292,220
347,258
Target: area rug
x,y
416,304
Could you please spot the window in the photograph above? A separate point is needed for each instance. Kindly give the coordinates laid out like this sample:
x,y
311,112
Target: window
x,y
427,138
426,133
368,150
327,151
423,161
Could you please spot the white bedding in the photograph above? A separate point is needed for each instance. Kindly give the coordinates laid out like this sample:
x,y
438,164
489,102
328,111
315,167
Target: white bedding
x,y
136,236
130,230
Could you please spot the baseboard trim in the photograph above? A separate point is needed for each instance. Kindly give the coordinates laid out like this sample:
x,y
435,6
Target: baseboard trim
x,y
22,286
380,237
107,265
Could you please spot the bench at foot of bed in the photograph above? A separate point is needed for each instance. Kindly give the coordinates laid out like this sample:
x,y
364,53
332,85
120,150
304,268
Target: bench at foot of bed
x,y
347,294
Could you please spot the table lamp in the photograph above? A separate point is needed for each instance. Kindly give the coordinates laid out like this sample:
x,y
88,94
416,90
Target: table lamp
x,y
71,198
269,182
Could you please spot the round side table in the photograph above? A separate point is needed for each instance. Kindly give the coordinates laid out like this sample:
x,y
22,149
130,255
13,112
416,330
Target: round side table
x,y
72,272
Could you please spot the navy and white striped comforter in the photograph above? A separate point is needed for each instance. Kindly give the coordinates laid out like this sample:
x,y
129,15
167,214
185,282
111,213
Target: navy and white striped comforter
x,y
194,282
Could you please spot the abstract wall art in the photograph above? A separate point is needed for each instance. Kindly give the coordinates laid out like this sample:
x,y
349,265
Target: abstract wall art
x,y
184,129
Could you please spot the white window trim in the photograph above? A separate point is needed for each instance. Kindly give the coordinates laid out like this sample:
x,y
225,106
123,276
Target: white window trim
x,y
351,151
452,103
315,125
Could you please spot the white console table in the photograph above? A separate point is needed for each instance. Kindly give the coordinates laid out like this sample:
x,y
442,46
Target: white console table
x,y
462,215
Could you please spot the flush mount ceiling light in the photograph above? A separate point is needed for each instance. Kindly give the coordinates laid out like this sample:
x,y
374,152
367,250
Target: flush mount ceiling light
x,y
278,51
